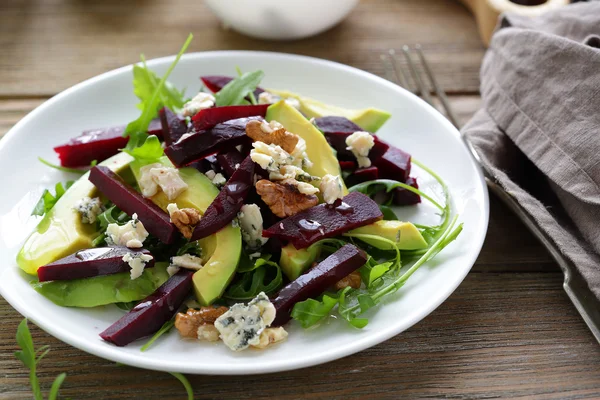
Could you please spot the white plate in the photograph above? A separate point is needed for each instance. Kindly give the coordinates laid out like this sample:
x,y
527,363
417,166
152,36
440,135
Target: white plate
x,y
108,100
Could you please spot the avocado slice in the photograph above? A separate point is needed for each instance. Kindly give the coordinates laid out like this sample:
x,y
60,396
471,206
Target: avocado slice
x,y
370,119
294,262
405,234
105,289
317,148
61,232
220,251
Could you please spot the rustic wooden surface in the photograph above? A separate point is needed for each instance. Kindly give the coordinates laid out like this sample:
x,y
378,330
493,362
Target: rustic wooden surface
x,y
508,331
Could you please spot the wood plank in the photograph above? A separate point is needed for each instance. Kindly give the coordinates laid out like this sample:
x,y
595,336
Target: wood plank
x,y
48,46
497,336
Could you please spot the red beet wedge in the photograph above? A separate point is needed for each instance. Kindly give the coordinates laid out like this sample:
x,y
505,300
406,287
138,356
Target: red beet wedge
x,y
347,165
89,263
216,82
209,117
199,145
228,202
404,197
336,125
362,175
229,160
151,313
155,220
323,221
393,164
173,127
97,144
314,282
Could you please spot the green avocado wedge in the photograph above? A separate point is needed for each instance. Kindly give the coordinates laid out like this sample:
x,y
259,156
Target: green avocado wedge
x,y
61,232
221,251
317,148
106,289
370,119
404,234
294,262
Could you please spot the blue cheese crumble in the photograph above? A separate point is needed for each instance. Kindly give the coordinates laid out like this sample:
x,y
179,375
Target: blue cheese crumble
x,y
155,176
242,325
360,143
137,262
251,222
131,235
89,209
187,261
201,101
331,188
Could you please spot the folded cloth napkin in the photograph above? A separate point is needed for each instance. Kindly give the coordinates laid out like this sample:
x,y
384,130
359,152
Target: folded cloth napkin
x,y
538,132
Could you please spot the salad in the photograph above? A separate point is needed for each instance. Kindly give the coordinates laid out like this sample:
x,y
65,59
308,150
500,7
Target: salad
x,y
228,213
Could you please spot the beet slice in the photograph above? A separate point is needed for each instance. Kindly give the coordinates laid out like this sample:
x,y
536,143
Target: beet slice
x,y
155,220
332,124
97,144
216,82
393,164
209,117
347,165
323,221
362,175
151,313
228,202
314,282
207,164
229,160
89,263
173,127
224,135
404,197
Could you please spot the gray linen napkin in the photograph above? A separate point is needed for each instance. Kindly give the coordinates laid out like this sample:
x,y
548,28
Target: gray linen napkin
x,y
538,132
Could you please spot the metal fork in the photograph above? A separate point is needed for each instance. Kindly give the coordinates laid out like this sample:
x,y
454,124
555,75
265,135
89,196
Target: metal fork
x,y
410,78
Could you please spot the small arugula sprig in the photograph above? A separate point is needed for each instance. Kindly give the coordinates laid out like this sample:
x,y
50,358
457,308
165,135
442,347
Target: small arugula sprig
x,y
66,169
31,358
137,130
149,151
48,200
261,276
371,187
236,91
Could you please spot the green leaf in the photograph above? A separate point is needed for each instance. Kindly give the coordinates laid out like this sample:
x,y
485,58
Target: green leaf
x,y
145,83
150,150
370,273
56,386
136,130
48,200
371,187
25,342
309,312
186,384
164,329
126,306
388,213
63,169
236,90
266,277
192,248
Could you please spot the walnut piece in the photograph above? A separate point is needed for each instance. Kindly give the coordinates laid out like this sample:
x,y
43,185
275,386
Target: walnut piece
x,y
185,220
353,280
273,133
283,198
187,324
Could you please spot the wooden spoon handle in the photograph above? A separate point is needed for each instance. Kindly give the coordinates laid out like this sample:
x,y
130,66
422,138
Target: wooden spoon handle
x,y
486,12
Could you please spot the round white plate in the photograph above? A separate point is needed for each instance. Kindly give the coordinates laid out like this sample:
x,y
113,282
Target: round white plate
x,y
108,100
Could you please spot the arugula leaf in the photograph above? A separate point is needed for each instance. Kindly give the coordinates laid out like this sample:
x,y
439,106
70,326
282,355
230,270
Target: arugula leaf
x,y
388,213
264,277
371,187
47,201
186,384
372,271
136,130
150,150
144,84
192,248
27,355
309,312
63,169
236,90
164,329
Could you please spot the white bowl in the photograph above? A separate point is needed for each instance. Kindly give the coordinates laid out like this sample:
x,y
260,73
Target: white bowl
x,y
281,19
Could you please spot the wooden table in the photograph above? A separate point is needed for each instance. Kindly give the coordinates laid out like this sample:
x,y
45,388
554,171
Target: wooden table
x,y
508,331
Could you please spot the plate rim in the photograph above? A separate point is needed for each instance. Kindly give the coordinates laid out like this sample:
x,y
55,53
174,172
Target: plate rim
x,y
114,353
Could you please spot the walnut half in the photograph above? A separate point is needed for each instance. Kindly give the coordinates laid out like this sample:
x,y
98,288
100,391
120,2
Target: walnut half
x,y
353,280
187,324
185,220
283,199
273,133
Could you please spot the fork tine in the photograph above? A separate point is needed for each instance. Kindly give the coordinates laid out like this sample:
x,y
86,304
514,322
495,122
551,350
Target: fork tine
x,y
388,69
417,76
398,72
438,89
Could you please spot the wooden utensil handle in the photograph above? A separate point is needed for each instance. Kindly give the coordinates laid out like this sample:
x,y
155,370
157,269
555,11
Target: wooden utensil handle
x,y
486,12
